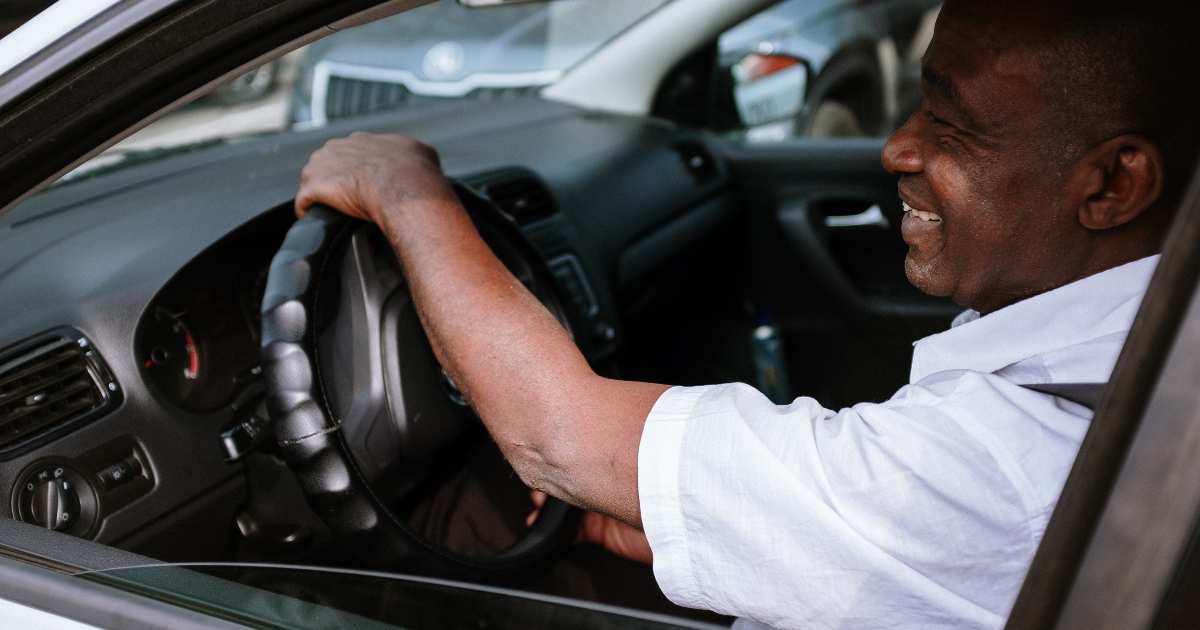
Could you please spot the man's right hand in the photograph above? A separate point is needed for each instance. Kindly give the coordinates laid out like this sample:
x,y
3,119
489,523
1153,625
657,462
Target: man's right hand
x,y
616,536
365,174
566,429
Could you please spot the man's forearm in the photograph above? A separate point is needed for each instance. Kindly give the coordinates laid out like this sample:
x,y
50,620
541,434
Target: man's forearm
x,y
565,429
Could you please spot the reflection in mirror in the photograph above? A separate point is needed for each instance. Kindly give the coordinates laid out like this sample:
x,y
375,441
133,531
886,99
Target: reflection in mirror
x,y
769,89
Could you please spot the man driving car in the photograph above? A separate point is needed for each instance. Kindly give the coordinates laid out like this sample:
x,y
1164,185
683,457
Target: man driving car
x,y
1038,179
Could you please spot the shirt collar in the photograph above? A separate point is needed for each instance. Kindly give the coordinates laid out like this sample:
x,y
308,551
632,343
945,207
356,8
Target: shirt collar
x,y
1081,311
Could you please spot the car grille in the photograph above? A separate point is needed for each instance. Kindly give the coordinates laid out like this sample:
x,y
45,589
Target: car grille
x,y
346,97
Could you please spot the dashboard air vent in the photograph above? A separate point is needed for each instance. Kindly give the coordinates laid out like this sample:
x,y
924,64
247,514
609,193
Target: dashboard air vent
x,y
522,196
51,382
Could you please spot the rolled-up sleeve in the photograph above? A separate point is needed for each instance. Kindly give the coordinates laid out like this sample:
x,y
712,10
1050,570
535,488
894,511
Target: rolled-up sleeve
x,y
903,514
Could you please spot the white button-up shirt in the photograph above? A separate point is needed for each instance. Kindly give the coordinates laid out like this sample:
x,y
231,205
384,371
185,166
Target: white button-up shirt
x,y
923,511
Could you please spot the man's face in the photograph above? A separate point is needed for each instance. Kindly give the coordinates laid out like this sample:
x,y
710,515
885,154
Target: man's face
x,y
984,167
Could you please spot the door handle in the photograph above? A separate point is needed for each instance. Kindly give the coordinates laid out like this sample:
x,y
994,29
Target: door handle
x,y
800,228
871,217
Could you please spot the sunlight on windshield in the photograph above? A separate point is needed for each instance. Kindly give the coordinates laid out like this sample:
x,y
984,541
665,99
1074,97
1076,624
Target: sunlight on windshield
x,y
434,53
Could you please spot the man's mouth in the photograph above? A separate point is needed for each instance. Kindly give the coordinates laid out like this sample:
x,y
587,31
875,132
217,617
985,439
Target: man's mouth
x,y
922,230
923,215
925,233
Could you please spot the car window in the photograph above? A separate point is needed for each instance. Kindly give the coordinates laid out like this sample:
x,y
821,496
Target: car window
x,y
306,597
826,68
432,54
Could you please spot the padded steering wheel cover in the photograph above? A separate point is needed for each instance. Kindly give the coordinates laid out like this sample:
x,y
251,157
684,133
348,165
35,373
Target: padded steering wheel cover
x,y
311,442
304,432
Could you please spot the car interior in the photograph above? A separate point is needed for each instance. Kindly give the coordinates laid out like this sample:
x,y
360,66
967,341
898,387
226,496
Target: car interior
x,y
141,305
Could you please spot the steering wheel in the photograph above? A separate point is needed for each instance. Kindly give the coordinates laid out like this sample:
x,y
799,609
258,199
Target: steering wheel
x,y
360,406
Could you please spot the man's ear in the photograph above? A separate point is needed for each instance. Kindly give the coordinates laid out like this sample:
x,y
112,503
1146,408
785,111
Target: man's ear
x,y
1120,178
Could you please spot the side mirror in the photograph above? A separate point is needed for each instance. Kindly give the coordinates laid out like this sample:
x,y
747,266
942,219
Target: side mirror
x,y
769,88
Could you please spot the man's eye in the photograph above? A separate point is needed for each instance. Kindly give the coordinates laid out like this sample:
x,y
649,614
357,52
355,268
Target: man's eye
x,y
933,118
947,134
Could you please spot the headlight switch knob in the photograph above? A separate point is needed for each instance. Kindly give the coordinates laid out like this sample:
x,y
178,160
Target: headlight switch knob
x,y
54,495
54,503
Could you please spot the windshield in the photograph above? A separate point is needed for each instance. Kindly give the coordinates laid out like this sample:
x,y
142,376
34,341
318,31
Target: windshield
x,y
435,53
305,597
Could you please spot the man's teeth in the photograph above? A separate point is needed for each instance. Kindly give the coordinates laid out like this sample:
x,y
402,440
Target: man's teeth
x,y
920,214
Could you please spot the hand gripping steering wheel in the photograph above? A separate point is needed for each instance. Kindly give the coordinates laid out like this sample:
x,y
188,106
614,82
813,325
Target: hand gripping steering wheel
x,y
359,403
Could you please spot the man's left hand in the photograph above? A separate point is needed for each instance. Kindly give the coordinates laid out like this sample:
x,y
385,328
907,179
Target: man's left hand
x,y
595,528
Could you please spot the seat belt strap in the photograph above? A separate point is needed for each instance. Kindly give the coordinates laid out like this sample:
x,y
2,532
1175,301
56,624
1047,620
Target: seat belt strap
x,y
1086,394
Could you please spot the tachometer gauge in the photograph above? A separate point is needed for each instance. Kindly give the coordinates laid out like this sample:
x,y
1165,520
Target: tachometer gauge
x,y
170,354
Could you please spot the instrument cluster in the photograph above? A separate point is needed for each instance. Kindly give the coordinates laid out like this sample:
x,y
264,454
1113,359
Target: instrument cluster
x,y
197,342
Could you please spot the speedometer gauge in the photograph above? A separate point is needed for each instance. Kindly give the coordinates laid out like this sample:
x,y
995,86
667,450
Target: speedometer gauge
x,y
196,343
170,354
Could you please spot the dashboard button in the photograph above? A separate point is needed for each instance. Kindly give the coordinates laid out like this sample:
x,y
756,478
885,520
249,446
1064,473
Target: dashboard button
x,y
120,472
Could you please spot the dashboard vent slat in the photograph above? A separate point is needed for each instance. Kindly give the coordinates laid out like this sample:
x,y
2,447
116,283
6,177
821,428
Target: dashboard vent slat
x,y
42,381
75,396
8,371
50,382
523,197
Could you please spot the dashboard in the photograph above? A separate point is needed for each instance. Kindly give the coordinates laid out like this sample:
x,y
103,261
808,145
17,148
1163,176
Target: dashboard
x,y
161,272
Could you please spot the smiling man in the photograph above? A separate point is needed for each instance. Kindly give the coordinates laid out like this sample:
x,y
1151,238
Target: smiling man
x,y
1038,179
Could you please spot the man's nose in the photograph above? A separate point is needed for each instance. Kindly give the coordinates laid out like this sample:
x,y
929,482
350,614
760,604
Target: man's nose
x,y
902,153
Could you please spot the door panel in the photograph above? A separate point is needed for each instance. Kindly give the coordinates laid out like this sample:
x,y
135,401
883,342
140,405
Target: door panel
x,y
827,261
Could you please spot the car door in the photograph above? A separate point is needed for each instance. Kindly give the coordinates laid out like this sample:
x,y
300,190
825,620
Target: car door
x,y
828,264
822,217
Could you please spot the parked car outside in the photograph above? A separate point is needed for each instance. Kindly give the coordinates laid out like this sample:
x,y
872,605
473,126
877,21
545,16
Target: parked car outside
x,y
447,51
